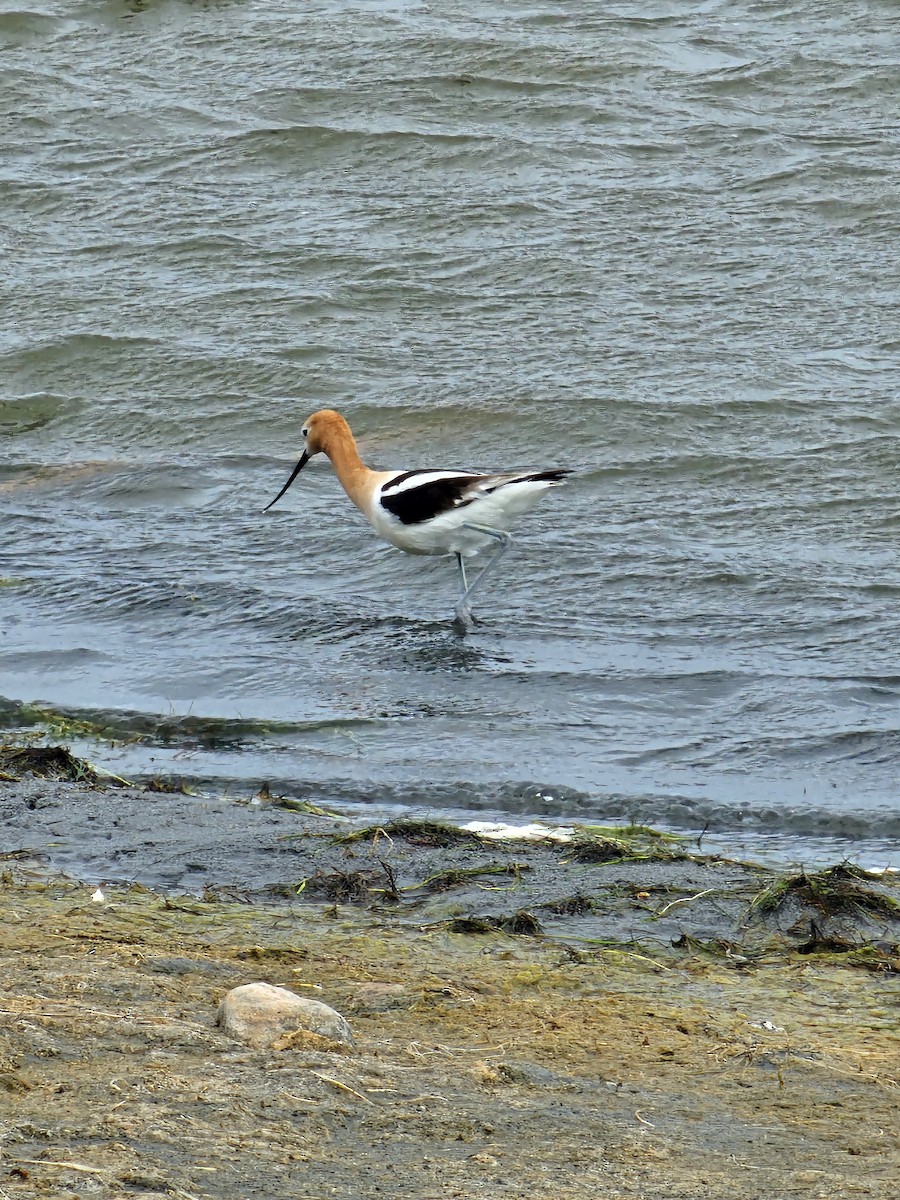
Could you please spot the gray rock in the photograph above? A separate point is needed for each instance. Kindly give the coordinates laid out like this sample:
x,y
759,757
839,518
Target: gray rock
x,y
261,1015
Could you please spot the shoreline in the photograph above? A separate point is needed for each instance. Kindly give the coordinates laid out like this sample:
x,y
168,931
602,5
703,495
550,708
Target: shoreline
x,y
605,1016
583,885
815,836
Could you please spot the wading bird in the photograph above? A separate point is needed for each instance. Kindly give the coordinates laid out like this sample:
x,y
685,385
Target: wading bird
x,y
427,512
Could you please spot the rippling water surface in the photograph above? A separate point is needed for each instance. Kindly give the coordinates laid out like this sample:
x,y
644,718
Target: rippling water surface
x,y
655,244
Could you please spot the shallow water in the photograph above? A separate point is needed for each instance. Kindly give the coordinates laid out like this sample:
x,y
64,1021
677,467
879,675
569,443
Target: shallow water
x,y
657,246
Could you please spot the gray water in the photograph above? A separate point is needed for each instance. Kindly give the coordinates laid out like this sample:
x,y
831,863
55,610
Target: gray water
x,y
656,244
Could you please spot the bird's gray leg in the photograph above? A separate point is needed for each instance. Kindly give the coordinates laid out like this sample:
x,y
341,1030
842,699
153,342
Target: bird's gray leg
x,y
463,612
462,571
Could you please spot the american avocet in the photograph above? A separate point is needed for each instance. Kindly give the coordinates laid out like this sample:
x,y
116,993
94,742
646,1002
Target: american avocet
x,y
426,512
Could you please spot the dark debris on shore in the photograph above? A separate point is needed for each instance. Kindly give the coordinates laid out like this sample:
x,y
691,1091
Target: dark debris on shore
x,y
597,887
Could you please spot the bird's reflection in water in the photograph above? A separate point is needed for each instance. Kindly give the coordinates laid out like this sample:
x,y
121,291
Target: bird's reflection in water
x,y
430,646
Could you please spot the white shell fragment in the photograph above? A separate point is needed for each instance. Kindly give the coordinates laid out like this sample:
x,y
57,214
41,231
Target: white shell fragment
x,y
535,832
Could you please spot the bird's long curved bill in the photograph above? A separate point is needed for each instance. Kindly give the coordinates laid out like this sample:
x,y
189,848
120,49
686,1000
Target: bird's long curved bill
x,y
304,459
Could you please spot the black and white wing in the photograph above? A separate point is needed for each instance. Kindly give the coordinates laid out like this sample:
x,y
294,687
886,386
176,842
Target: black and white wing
x,y
414,497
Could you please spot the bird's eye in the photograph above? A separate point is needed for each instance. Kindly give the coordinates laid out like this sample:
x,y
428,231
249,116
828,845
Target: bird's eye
x,y
305,431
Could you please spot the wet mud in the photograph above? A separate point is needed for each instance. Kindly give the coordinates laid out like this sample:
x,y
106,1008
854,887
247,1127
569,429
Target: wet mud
x,y
614,886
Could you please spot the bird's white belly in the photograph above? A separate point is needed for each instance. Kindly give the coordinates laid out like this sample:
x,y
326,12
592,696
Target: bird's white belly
x,y
447,534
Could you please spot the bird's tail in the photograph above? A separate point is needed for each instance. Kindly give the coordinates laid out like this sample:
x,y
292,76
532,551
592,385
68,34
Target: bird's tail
x,y
556,475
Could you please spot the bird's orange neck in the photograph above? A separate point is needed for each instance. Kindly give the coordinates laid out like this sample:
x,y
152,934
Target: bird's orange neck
x,y
340,446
